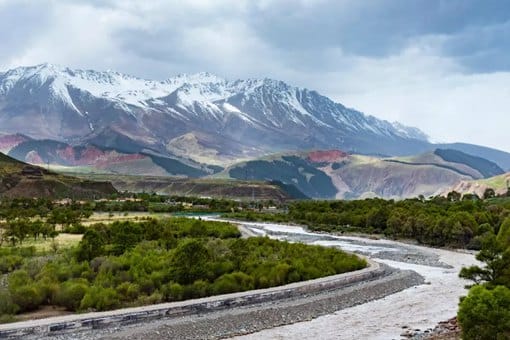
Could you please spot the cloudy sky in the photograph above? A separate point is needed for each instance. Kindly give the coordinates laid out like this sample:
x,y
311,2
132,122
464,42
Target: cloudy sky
x,y
440,65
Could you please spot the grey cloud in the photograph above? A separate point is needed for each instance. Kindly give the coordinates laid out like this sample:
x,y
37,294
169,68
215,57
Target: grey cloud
x,y
20,24
371,28
325,35
484,49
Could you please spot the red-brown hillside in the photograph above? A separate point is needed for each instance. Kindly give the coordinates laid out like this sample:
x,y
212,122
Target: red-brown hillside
x,y
7,142
329,156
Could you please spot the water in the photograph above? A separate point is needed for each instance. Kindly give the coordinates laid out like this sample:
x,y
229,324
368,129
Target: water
x,y
419,307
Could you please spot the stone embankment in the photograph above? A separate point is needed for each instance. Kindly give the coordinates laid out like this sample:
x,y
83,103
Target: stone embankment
x,y
74,324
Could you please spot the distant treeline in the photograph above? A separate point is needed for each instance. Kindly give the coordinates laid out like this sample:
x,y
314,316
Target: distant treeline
x,y
438,222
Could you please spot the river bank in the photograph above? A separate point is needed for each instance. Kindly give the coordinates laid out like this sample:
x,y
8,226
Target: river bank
x,y
420,307
420,287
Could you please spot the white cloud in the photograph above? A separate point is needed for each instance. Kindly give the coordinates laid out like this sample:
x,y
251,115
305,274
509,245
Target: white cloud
x,y
409,78
431,93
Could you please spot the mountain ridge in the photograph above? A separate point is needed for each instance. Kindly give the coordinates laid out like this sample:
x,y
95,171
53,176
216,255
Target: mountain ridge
x,y
329,174
199,119
76,105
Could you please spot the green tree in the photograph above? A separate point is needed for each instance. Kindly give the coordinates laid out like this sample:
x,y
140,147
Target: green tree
x,y
453,196
497,263
489,193
189,261
504,233
91,245
485,314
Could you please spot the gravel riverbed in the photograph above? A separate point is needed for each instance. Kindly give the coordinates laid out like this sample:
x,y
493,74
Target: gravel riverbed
x,y
250,319
418,308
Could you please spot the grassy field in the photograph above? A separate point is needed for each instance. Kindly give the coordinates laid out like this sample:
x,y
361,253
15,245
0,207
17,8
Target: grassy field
x,y
63,240
121,216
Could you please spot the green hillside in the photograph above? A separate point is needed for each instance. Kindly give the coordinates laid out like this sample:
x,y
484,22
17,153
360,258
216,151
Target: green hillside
x,y
335,174
291,170
485,167
18,179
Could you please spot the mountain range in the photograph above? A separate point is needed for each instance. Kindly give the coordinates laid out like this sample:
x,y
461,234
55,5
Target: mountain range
x,y
231,118
188,125
335,174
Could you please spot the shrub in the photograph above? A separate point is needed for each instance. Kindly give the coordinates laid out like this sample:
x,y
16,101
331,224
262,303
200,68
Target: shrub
x,y
234,282
71,294
10,263
27,297
7,305
152,299
173,291
99,299
128,291
485,314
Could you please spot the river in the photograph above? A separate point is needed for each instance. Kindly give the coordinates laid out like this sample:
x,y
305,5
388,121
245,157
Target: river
x,y
420,307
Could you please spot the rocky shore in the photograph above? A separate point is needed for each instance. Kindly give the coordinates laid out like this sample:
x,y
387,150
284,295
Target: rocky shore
x,y
445,330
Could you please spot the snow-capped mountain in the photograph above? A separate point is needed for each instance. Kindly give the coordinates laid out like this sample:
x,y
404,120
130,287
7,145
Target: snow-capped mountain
x,y
235,118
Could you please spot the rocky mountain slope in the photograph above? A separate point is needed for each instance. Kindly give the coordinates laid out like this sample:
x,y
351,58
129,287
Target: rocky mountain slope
x,y
19,179
229,119
202,187
336,174
91,158
195,125
500,184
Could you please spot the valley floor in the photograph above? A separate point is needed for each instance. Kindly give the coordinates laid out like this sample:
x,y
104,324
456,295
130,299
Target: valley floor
x,y
420,288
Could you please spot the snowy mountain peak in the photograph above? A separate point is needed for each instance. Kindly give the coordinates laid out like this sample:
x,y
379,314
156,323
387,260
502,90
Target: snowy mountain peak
x,y
195,78
149,109
410,132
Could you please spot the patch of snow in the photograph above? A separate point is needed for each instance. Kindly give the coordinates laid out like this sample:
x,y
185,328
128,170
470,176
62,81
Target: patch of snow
x,y
199,92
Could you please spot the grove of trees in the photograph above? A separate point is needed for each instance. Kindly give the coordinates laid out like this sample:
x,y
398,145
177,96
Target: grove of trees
x,y
129,264
438,222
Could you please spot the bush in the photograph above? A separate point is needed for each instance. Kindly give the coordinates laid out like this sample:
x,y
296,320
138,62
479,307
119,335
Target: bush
x,y
485,314
173,291
10,263
128,291
27,297
152,299
7,305
99,299
71,294
233,282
